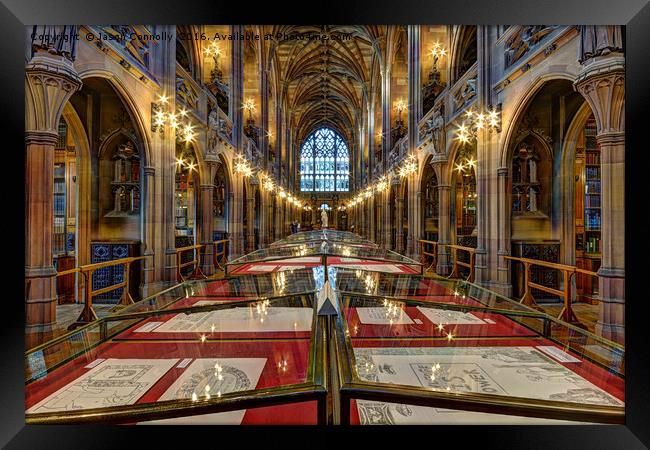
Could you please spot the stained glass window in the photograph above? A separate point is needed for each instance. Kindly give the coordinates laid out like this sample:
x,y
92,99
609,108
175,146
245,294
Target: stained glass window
x,y
324,162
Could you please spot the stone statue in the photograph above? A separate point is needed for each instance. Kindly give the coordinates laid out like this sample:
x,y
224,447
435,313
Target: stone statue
x,y
323,218
597,40
55,39
532,170
437,130
213,127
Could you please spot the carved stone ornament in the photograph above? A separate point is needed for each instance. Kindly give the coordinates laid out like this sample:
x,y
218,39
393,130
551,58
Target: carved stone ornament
x,y
186,93
51,81
603,85
599,40
523,42
57,40
530,125
465,94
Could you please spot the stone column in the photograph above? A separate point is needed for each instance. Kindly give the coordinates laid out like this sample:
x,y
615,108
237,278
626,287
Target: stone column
x,y
206,224
277,217
399,225
385,117
413,216
148,264
264,219
415,89
250,219
237,89
602,83
51,80
483,153
503,268
269,217
444,228
264,118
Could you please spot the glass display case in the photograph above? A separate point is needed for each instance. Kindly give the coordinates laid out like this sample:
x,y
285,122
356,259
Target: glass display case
x,y
259,348
248,362
467,356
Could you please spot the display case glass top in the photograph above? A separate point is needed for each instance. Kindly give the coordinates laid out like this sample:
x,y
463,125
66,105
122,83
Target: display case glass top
x,y
205,361
459,357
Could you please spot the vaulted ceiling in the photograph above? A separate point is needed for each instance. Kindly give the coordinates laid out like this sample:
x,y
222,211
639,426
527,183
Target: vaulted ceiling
x,y
326,82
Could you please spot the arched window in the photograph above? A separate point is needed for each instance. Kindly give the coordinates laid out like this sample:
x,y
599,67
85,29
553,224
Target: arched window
x,y
324,206
324,162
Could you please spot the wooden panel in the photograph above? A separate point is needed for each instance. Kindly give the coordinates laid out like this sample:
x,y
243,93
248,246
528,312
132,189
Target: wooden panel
x,y
65,285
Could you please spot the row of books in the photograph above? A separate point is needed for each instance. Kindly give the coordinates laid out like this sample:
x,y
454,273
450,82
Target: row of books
x,y
59,204
592,173
592,245
592,220
592,187
592,201
592,158
181,211
59,225
59,243
59,187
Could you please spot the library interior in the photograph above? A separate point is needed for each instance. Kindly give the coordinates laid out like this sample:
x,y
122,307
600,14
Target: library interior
x,y
345,225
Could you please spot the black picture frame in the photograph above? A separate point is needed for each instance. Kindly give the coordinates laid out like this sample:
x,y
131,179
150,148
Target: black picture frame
x,y
635,14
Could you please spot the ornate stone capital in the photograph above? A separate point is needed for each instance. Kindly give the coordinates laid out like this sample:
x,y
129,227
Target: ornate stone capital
x,y
611,138
51,81
41,137
602,83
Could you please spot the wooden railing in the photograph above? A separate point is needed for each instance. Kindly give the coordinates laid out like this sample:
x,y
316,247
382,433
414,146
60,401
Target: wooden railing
x,y
195,262
88,313
424,253
567,313
223,253
455,272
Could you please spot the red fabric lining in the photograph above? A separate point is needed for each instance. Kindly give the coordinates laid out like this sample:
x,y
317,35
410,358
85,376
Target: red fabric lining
x,y
503,327
295,352
595,374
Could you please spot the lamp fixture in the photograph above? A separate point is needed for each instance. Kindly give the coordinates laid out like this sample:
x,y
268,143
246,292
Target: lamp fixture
x,y
475,121
242,166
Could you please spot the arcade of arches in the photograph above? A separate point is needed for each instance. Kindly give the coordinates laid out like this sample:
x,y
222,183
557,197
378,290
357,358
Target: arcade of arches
x,y
505,139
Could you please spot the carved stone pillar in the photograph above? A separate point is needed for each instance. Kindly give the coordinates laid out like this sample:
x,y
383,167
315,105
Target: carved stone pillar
x,y
148,264
277,216
414,203
51,80
503,270
399,212
250,221
264,220
444,228
602,83
270,218
385,116
206,227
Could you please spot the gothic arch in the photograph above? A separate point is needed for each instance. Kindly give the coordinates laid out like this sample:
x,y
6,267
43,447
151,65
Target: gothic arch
x,y
567,183
127,98
529,92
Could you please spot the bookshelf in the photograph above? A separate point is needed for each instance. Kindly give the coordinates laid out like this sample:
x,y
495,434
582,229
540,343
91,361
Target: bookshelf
x,y
126,180
466,203
59,226
588,212
184,203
